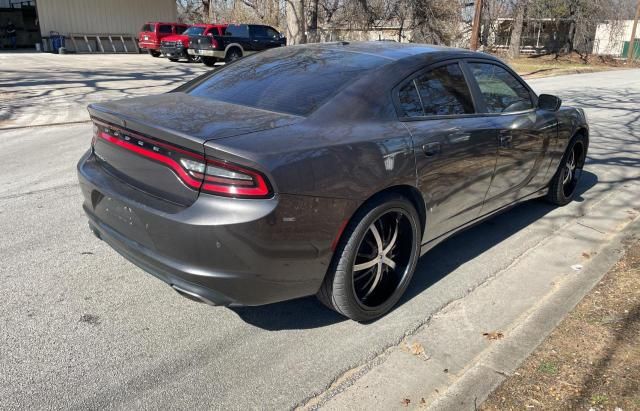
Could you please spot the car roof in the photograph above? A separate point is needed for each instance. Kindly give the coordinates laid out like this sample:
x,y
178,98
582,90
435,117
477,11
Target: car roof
x,y
395,51
208,25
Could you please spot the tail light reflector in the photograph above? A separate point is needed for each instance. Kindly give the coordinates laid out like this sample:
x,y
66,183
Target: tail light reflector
x,y
208,175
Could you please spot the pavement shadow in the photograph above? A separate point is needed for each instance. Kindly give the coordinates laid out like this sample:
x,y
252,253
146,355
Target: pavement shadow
x,y
306,313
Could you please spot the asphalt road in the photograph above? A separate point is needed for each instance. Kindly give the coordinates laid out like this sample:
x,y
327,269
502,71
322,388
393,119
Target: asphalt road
x,y
83,328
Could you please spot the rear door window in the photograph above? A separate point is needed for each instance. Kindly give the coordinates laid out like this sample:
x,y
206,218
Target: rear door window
x,y
442,91
502,92
237,30
165,29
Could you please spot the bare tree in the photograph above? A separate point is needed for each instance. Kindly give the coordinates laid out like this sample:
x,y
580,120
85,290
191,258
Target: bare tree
x,y
295,22
520,9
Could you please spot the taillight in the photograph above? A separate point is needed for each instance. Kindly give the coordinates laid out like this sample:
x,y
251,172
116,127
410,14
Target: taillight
x,y
214,44
206,174
228,179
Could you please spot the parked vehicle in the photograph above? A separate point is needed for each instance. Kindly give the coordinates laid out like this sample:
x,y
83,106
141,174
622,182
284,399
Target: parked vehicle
x,y
175,47
152,34
238,40
322,169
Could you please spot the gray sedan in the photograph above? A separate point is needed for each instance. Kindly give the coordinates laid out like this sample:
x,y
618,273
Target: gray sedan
x,y
322,169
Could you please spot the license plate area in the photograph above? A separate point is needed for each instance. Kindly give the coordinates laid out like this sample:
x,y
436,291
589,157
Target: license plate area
x,y
122,218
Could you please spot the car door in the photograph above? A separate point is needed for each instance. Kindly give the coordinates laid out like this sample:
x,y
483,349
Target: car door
x,y
259,38
455,151
523,132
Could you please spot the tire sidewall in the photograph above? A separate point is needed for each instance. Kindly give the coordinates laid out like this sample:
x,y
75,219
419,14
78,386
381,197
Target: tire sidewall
x,y
347,259
559,186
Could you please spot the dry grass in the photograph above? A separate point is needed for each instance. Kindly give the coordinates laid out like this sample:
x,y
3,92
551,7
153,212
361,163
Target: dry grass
x,y
552,65
592,360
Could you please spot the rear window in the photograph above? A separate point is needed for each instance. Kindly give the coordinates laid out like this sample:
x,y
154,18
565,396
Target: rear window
x,y
148,27
287,80
194,31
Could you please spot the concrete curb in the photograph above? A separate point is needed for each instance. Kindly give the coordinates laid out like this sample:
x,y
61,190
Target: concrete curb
x,y
505,356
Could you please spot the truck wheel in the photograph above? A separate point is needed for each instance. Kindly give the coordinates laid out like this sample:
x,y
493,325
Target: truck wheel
x,y
233,55
173,59
194,59
154,53
209,61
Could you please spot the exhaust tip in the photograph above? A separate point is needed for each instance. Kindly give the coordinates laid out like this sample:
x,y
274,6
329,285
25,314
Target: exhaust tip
x,y
191,295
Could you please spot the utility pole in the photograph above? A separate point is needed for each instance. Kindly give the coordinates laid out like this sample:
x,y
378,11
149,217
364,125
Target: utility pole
x,y
632,42
475,27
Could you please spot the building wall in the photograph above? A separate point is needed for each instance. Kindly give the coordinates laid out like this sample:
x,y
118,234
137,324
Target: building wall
x,y
101,16
610,37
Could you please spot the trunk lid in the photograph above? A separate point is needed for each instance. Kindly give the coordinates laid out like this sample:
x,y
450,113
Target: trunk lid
x,y
144,141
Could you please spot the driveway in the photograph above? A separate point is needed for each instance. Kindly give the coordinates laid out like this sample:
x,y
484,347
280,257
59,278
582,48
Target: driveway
x,y
83,328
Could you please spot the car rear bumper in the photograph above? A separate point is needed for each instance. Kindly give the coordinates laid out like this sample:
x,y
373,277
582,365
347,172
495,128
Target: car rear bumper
x,y
225,251
207,53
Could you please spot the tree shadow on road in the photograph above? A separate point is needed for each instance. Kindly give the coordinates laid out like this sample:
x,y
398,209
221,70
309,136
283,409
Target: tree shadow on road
x,y
305,313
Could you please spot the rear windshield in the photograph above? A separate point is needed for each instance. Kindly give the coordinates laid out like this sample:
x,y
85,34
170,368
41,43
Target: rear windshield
x,y
287,80
148,27
194,31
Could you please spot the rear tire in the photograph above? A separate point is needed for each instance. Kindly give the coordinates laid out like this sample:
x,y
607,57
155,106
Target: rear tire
x,y
209,61
154,53
372,266
233,55
173,59
562,188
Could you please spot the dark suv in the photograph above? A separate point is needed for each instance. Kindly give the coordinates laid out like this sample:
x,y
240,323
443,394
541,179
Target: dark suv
x,y
238,40
152,34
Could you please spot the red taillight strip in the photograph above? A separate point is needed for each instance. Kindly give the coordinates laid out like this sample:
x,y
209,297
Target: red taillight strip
x,y
151,141
260,187
156,157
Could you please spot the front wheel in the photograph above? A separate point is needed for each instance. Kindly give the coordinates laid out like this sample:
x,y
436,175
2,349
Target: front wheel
x,y
154,53
194,59
173,59
375,259
562,188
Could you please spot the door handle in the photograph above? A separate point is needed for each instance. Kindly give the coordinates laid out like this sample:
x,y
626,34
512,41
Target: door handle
x,y
505,139
431,149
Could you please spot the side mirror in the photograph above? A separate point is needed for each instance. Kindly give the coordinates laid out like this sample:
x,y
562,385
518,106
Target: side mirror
x,y
549,102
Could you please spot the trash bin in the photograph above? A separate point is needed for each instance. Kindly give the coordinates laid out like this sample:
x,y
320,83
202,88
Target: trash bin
x,y
57,41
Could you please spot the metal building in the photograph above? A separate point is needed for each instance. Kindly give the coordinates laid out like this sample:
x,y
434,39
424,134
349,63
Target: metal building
x,y
37,20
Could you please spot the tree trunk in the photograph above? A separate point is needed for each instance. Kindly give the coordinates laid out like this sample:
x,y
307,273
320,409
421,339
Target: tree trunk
x,y
295,22
206,10
571,35
516,32
313,35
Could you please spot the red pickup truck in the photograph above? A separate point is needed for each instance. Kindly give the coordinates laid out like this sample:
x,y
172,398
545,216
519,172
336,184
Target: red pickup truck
x,y
175,47
152,34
